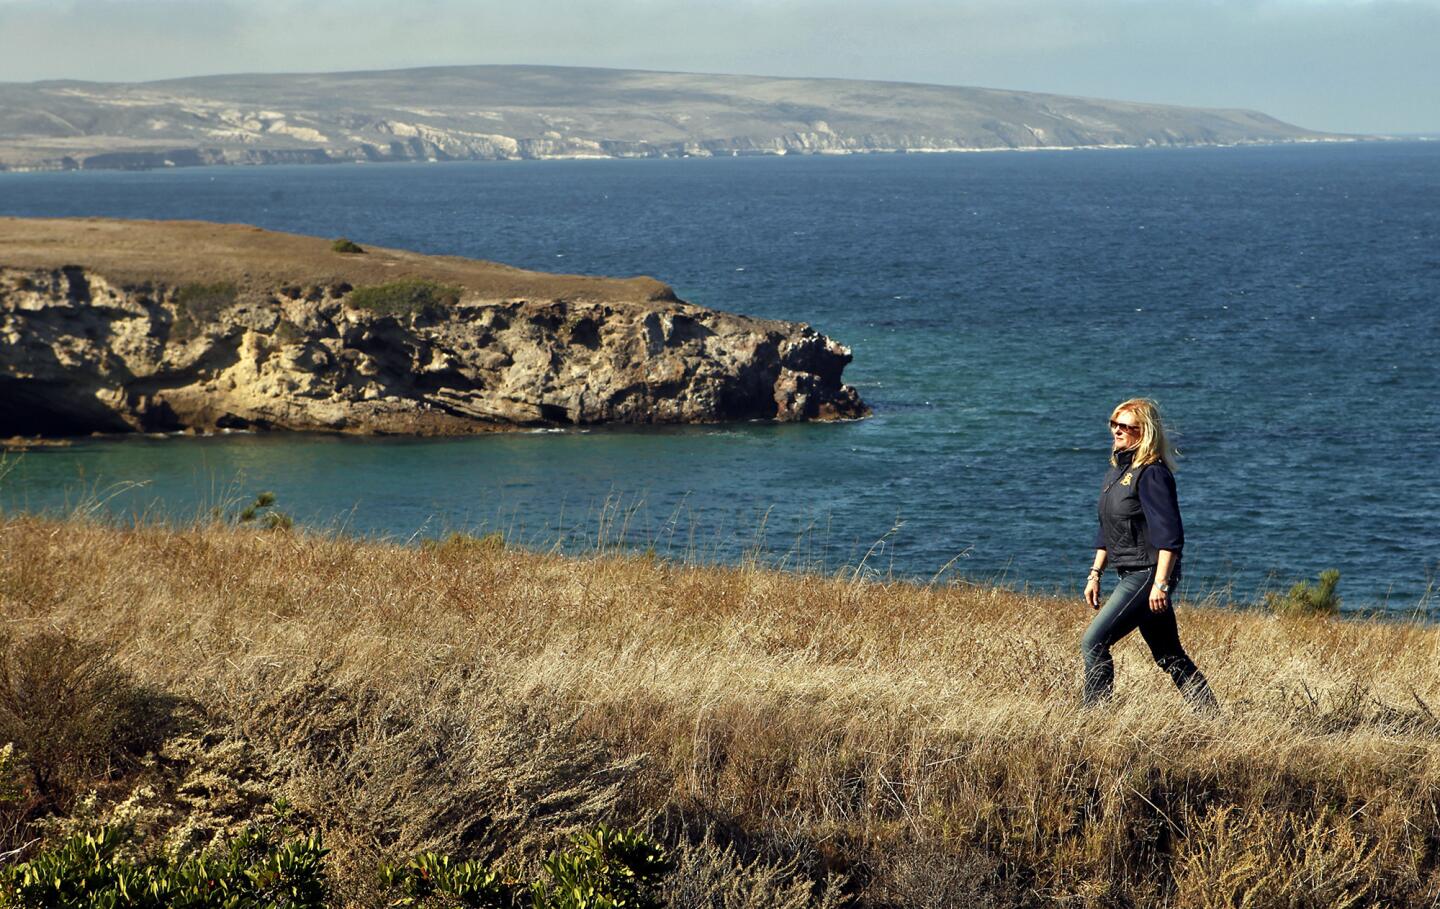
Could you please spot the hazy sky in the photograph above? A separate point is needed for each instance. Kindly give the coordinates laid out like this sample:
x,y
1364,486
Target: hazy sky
x,y
1338,65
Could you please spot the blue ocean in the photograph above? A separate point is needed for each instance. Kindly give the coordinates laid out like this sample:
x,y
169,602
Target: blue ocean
x,y
1280,303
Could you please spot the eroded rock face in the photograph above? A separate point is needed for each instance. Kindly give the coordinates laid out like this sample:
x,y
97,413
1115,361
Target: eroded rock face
x,y
79,354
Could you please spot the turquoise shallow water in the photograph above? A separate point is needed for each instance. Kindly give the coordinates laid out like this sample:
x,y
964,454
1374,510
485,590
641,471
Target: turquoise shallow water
x,y
1280,302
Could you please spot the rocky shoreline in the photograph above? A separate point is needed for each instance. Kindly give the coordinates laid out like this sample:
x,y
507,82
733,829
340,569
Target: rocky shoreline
x,y
802,144
133,326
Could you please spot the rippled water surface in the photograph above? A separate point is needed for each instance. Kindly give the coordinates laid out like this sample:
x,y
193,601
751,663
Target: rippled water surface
x,y
1279,302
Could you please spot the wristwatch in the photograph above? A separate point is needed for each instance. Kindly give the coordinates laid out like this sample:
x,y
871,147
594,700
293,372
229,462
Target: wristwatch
x,y
1164,588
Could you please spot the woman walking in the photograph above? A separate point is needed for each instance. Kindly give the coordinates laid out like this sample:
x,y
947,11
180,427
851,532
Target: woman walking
x,y
1141,537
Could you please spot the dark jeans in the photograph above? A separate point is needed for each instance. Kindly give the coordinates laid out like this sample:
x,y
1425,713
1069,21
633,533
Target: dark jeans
x,y
1127,609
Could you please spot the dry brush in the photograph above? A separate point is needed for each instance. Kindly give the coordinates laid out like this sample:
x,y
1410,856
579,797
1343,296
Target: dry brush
x,y
891,744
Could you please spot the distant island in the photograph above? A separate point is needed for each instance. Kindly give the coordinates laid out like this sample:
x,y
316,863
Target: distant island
x,y
160,326
532,112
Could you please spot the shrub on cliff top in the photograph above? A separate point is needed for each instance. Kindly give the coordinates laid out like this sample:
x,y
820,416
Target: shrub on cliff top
x,y
199,304
345,245
410,295
206,299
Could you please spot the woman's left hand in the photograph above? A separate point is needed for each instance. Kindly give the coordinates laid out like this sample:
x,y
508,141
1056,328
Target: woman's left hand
x,y
1159,599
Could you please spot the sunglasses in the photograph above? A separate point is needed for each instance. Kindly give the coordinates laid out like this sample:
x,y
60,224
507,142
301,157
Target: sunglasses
x,y
1131,428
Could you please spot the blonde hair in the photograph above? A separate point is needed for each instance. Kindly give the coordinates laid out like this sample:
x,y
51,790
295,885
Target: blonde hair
x,y
1154,446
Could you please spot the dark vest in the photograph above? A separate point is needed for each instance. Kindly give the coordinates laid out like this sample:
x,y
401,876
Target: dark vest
x,y
1122,520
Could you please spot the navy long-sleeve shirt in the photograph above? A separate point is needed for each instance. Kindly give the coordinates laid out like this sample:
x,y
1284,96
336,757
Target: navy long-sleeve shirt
x,y
1161,504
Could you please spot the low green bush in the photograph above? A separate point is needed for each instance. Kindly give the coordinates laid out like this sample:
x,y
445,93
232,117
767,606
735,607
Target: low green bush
x,y
274,868
87,870
73,716
607,869
1308,599
431,880
345,245
403,297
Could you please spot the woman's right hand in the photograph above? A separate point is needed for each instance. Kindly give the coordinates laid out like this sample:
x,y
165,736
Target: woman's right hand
x,y
1092,592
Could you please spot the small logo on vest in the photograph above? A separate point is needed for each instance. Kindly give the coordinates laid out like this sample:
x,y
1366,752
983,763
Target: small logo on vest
x,y
1128,477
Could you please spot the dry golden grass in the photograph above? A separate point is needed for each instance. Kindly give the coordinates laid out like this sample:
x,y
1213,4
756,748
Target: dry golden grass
x,y
253,260
923,743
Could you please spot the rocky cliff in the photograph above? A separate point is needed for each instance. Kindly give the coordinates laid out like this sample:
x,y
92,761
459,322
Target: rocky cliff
x,y
114,326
